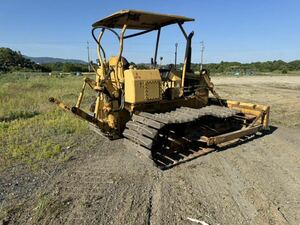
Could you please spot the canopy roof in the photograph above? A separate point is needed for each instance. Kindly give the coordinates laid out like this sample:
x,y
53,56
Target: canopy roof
x,y
140,20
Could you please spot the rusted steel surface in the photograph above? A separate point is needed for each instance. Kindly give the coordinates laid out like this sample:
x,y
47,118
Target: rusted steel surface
x,y
231,136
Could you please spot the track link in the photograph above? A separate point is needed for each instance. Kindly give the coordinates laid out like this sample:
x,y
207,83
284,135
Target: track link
x,y
159,134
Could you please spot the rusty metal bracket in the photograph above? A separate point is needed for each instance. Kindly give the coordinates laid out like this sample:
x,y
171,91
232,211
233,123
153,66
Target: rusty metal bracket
x,y
230,136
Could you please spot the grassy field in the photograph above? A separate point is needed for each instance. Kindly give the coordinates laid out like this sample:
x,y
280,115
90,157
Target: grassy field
x,y
31,129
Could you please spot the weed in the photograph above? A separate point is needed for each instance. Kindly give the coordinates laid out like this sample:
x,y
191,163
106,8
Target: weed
x,y
43,205
31,129
18,115
3,213
49,205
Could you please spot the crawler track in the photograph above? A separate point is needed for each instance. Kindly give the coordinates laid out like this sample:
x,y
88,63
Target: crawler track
x,y
174,137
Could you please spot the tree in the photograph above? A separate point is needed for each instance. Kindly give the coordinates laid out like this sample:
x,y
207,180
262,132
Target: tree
x,y
12,60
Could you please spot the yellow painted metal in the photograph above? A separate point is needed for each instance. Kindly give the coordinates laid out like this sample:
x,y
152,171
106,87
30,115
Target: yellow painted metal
x,y
100,72
117,66
174,76
257,110
140,20
59,104
78,112
97,106
90,82
119,57
183,75
78,103
172,84
142,85
102,62
210,85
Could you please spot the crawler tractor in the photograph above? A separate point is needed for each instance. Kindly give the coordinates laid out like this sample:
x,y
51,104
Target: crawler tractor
x,y
165,113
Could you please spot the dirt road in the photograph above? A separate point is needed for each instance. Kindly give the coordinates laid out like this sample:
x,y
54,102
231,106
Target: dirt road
x,y
255,183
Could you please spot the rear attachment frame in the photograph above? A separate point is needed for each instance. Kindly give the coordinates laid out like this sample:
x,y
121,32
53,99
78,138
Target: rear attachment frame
x,y
254,118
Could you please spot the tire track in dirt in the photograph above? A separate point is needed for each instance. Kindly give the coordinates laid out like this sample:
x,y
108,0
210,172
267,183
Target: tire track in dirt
x,y
105,190
154,212
254,205
209,190
276,178
155,209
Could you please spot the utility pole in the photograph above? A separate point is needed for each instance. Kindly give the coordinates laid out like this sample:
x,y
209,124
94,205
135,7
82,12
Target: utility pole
x,y
202,51
176,46
88,52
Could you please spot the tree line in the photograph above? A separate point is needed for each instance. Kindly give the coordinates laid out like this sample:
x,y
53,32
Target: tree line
x,y
269,66
244,68
14,61
66,67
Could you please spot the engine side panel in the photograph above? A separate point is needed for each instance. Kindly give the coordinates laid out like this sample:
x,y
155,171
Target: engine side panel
x,y
142,86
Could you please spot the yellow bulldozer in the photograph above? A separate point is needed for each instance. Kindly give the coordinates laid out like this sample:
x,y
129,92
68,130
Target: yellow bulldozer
x,y
166,113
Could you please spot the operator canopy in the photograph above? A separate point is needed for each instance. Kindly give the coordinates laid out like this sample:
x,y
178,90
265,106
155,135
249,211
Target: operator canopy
x,y
140,20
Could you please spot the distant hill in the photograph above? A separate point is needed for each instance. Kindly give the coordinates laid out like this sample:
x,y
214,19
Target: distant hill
x,y
46,60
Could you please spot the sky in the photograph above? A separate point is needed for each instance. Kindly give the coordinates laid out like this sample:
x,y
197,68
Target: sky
x,y
232,30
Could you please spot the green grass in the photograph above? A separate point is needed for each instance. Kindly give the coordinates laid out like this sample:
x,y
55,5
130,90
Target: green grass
x,y
47,206
3,213
33,130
